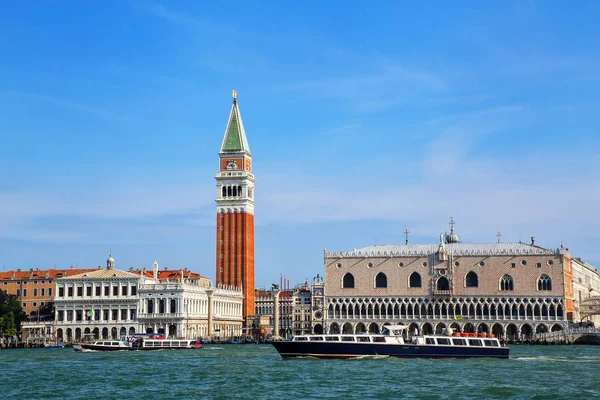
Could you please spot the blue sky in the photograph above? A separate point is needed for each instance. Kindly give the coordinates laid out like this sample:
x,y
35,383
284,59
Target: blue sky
x,y
361,119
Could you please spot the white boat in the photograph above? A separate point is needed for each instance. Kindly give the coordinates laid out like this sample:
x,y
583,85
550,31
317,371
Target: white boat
x,y
391,343
137,343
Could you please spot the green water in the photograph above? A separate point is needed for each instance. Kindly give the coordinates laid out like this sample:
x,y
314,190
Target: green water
x,y
257,372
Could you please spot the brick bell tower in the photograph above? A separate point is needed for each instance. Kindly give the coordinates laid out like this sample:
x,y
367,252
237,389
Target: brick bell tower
x,y
235,211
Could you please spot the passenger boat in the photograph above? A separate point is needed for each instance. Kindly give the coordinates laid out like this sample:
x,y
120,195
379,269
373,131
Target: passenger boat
x,y
391,343
137,343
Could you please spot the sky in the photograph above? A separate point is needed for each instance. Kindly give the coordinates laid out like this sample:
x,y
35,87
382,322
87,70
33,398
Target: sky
x,y
362,118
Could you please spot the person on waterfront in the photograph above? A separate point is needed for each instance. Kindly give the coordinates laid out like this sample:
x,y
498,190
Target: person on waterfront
x,y
416,331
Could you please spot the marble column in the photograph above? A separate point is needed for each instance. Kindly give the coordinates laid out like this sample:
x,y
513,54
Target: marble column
x,y
276,312
210,292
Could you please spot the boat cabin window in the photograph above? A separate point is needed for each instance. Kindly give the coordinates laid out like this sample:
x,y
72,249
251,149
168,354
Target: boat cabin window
x,y
443,341
474,342
316,339
429,340
491,343
347,339
362,339
379,339
459,342
115,343
300,339
332,338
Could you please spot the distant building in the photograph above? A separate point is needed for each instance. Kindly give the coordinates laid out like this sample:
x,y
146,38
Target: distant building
x,y
586,284
34,288
178,304
101,303
509,289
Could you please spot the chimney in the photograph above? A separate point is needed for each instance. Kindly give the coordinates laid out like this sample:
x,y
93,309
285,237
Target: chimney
x,y
72,267
533,240
13,275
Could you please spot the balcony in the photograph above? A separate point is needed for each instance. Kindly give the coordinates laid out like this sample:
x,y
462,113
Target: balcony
x,y
160,315
437,292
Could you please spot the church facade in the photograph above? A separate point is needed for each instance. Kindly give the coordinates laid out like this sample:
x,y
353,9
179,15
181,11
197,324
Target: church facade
x,y
235,212
510,289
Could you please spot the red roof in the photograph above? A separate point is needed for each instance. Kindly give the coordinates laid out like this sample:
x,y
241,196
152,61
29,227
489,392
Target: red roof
x,y
42,273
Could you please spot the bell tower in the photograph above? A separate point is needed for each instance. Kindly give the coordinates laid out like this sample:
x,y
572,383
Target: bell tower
x,y
235,211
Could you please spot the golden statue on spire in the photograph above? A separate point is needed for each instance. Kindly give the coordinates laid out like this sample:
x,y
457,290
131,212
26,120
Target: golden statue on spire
x,y
234,94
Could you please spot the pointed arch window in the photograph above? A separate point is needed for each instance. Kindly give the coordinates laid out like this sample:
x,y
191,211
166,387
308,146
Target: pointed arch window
x,y
235,191
471,280
228,191
381,280
544,283
507,283
414,280
239,191
348,281
443,284
224,191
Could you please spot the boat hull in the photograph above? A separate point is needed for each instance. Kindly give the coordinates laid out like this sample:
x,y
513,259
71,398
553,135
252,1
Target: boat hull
x,y
352,350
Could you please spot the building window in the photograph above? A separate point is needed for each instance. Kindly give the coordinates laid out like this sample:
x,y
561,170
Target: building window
x,y
133,292
456,264
401,264
132,313
34,292
124,290
18,292
370,265
414,280
106,291
80,291
544,283
424,263
115,290
381,280
513,265
481,263
506,283
538,265
123,315
42,292
24,292
471,280
88,291
98,291
34,304
348,281
61,315
69,315
339,265
115,315
443,283
523,262
550,262
61,292
50,291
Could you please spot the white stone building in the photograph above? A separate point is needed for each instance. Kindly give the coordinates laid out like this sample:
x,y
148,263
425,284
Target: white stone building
x,y
102,303
586,284
181,306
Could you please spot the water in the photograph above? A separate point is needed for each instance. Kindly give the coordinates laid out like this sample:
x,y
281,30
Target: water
x,y
257,372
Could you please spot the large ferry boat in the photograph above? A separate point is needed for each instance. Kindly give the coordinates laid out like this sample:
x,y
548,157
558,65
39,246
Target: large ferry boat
x,y
137,343
391,343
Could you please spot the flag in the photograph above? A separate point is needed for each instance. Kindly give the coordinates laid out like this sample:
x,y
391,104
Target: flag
x,y
90,313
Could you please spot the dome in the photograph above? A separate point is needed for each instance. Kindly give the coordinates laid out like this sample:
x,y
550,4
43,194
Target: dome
x,y
111,259
452,238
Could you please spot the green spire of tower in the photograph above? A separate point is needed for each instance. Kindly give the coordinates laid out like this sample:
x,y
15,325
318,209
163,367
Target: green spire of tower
x,y
235,136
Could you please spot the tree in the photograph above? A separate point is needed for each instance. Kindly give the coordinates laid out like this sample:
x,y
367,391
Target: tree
x,y
11,314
